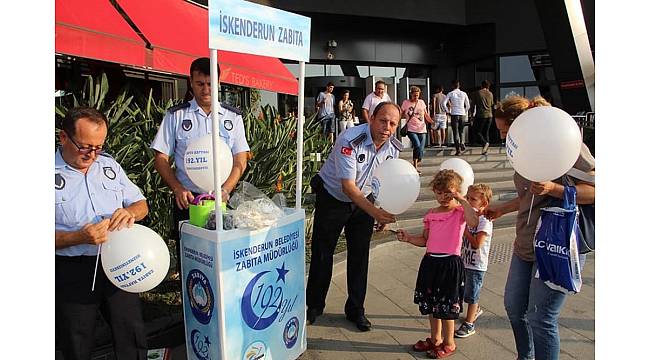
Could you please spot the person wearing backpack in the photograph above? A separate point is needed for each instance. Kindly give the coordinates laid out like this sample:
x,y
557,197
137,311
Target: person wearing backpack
x,y
533,308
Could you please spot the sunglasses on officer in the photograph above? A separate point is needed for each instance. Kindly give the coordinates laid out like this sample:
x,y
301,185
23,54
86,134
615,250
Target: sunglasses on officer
x,y
86,149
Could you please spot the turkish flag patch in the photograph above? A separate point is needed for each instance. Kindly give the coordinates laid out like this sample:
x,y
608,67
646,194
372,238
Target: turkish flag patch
x,y
346,151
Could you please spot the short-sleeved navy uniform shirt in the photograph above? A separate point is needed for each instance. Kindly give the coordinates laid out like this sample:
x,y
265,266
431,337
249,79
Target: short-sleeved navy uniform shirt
x,y
81,198
355,157
186,122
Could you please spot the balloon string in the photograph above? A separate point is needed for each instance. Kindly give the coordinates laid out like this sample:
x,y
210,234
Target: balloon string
x,y
99,250
530,209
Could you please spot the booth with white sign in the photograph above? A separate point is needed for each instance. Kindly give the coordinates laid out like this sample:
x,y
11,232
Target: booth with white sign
x,y
243,289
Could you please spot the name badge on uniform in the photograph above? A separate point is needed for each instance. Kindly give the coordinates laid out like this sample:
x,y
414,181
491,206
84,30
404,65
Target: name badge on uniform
x,y
59,182
109,172
187,125
228,124
361,158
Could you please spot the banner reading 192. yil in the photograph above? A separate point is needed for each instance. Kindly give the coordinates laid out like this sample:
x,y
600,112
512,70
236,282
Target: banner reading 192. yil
x,y
246,27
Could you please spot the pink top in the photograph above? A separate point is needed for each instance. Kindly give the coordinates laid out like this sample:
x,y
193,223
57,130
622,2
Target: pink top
x,y
445,231
417,124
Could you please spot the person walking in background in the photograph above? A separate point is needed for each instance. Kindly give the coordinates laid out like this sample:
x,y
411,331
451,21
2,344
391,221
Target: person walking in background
x,y
482,104
440,283
475,251
325,111
532,307
457,104
439,126
373,99
414,110
346,112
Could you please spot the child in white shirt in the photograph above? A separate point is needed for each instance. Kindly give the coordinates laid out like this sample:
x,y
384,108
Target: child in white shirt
x,y
475,250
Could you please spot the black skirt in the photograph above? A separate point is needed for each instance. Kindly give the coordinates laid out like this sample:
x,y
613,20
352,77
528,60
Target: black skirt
x,y
440,286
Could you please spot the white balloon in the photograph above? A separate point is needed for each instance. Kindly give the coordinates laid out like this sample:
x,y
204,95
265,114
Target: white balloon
x,y
199,163
462,168
543,143
395,185
135,259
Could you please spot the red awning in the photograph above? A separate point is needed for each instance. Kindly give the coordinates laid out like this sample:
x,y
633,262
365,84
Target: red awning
x,y
94,29
178,32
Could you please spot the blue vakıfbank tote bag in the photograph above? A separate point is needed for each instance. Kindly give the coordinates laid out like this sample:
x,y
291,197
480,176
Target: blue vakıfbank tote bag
x,y
556,246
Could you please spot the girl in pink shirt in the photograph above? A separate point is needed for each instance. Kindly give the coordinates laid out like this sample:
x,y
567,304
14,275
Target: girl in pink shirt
x,y
439,287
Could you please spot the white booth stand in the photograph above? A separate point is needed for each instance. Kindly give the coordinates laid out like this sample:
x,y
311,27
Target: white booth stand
x,y
244,289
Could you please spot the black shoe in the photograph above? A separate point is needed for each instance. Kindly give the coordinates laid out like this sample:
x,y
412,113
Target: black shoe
x,y
457,153
462,147
361,321
312,314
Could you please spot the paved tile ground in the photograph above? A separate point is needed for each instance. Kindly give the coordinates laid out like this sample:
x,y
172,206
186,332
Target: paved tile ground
x,y
397,323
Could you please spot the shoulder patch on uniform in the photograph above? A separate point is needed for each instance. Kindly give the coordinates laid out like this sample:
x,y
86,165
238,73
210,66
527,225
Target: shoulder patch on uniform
x,y
396,143
231,108
59,182
182,105
109,172
358,140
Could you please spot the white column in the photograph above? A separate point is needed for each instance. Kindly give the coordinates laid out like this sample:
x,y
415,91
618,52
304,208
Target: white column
x,y
300,122
583,48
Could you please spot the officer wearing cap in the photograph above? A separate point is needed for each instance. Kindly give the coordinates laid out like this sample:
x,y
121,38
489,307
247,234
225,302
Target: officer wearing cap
x,y
344,200
186,122
93,196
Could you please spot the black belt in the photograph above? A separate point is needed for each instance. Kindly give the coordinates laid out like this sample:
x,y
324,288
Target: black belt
x,y
76,259
317,184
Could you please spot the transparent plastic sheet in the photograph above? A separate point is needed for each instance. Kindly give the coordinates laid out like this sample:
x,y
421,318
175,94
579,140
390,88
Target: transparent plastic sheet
x,y
251,209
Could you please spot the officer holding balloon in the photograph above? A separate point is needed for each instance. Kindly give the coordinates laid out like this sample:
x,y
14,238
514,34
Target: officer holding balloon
x,y
344,200
93,196
187,122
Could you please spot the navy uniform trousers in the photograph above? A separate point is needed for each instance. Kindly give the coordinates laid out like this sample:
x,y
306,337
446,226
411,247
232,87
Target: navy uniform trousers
x,y
330,218
76,311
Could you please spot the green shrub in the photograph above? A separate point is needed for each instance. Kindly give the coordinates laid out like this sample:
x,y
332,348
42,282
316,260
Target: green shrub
x,y
273,140
132,127
133,123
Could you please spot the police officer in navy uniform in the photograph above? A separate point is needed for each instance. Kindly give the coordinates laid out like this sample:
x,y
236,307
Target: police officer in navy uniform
x,y
344,200
184,123
93,196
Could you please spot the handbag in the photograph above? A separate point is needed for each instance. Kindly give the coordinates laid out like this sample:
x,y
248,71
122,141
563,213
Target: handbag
x,y
403,131
586,218
556,246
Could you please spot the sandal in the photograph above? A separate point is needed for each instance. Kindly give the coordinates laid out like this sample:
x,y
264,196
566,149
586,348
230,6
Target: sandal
x,y
440,352
424,345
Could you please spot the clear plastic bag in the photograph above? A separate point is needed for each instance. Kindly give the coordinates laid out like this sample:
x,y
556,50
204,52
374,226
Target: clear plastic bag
x,y
252,209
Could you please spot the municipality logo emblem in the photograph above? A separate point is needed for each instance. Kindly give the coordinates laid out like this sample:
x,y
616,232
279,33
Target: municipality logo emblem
x,y
290,334
256,350
200,345
375,184
361,158
201,296
109,172
187,125
263,298
228,124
